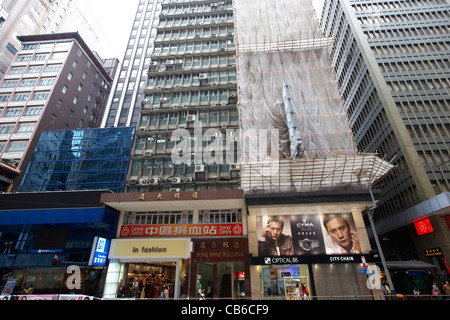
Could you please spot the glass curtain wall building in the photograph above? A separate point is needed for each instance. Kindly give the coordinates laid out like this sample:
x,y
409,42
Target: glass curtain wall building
x,y
84,159
125,100
191,86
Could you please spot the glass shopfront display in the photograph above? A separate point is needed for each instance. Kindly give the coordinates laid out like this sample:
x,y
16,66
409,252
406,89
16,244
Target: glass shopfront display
x,y
280,281
149,280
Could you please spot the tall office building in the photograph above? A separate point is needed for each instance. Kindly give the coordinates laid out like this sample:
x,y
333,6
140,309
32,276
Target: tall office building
x,y
55,82
391,59
125,101
177,196
28,17
191,86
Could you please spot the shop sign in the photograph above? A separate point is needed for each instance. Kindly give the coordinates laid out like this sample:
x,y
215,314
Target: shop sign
x,y
307,259
161,248
99,253
182,230
423,226
220,249
433,252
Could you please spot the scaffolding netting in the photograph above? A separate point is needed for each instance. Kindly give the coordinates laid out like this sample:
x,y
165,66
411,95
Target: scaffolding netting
x,y
287,85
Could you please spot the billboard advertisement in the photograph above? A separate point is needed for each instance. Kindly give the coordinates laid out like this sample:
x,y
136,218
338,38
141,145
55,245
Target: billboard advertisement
x,y
307,234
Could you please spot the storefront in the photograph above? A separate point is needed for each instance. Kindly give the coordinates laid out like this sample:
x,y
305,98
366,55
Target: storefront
x,y
220,268
148,268
320,244
42,242
180,242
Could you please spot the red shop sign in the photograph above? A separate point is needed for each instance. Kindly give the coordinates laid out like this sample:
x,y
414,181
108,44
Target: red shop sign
x,y
182,230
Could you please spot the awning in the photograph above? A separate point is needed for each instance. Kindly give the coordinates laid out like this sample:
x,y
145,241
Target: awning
x,y
413,264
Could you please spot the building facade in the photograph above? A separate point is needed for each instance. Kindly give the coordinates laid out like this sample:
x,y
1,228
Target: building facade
x,y
179,191
51,225
46,237
54,83
83,159
125,102
391,62
190,91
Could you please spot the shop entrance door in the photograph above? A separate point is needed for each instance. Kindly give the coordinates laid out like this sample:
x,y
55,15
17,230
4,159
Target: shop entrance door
x,y
150,280
220,279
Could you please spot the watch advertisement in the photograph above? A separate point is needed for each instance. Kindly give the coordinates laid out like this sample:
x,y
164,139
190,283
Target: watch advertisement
x,y
307,234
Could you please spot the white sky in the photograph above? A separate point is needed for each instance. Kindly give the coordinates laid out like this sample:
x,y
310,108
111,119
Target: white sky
x,y
112,20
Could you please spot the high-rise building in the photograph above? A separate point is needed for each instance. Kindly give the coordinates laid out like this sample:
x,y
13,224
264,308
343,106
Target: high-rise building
x,y
55,82
391,60
28,17
125,101
183,186
243,149
190,89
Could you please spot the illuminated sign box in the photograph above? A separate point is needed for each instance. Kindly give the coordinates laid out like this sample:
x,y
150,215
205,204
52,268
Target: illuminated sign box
x,y
99,253
423,226
143,249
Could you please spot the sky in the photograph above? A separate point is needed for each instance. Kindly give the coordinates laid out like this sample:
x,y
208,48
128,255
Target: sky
x,y
112,20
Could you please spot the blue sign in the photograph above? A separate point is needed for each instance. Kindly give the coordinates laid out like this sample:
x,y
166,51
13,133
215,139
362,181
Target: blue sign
x,y
99,253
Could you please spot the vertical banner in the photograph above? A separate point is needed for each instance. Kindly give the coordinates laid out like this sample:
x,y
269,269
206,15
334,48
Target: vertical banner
x,y
307,234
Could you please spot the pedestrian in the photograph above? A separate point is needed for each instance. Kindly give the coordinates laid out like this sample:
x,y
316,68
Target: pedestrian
x,y
446,289
387,290
298,292
121,292
30,289
202,294
305,292
435,292
416,293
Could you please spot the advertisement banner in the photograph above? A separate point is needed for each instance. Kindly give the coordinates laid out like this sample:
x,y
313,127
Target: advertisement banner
x,y
307,234
182,230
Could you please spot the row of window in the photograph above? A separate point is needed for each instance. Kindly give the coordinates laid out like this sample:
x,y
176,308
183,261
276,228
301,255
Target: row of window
x,y
157,168
198,20
183,34
193,47
183,217
191,97
169,8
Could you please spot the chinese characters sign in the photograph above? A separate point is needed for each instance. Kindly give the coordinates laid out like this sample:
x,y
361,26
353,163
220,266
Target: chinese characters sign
x,y
182,230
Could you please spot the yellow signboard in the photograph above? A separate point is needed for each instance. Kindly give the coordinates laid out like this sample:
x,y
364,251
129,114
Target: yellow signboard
x,y
161,248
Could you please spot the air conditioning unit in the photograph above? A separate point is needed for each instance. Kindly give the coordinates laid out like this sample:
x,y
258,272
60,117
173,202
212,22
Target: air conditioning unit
x,y
153,181
203,76
148,153
190,117
176,180
174,189
143,181
235,166
199,167
187,179
133,181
